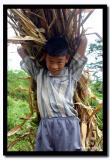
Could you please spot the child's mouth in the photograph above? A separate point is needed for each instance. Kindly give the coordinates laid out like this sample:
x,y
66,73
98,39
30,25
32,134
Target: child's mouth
x,y
55,72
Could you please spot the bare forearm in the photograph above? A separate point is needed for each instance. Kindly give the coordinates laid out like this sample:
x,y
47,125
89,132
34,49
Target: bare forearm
x,y
82,47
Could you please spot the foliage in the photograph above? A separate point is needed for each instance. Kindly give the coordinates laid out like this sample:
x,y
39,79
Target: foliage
x,y
15,83
96,88
96,65
18,109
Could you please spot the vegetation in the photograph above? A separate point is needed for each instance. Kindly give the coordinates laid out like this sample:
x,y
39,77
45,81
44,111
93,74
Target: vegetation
x,y
18,109
97,90
97,63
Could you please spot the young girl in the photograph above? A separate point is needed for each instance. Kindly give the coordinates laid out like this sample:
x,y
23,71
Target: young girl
x,y
59,128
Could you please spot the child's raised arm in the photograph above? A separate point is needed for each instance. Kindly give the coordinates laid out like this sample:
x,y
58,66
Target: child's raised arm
x,y
82,47
79,60
21,51
27,63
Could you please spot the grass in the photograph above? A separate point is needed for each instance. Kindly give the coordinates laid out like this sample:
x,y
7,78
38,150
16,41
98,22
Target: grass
x,y
97,90
18,108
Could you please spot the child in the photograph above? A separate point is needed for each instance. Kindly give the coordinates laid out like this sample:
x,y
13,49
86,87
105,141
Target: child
x,y
59,128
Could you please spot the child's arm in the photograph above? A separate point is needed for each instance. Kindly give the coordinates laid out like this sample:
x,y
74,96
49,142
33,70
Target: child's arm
x,y
82,47
27,64
22,53
79,60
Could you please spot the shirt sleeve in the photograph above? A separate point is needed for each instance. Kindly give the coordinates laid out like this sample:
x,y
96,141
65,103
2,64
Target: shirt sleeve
x,y
29,66
77,65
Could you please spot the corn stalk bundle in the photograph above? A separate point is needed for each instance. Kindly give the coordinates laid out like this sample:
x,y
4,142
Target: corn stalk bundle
x,y
90,133
33,27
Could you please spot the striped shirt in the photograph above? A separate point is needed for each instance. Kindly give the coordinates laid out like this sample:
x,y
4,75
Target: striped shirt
x,y
55,93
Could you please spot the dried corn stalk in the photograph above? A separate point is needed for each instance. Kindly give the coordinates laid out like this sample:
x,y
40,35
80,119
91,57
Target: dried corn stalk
x,y
90,134
33,27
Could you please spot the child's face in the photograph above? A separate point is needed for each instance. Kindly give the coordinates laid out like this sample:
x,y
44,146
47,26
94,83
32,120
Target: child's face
x,y
56,64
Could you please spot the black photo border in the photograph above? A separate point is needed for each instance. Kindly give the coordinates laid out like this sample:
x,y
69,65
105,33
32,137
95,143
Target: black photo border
x,y
105,80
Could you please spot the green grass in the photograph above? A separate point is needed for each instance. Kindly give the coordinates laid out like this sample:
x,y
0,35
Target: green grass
x,y
14,82
97,90
18,108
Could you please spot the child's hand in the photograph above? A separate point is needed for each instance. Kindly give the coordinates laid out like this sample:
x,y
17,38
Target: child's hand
x,y
21,52
42,57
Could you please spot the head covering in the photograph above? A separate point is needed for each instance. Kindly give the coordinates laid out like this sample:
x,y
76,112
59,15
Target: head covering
x,y
56,46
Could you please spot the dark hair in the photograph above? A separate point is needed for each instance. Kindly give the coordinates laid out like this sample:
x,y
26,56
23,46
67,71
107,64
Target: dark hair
x,y
56,46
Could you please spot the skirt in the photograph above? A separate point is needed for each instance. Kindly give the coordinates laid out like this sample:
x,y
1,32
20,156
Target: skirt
x,y
58,134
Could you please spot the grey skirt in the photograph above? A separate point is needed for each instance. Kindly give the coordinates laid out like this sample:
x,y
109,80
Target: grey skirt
x,y
58,134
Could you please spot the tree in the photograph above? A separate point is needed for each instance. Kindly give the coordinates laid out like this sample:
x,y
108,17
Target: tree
x,y
95,51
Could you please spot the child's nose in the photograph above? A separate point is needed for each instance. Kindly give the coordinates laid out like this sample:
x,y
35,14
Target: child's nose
x,y
54,66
